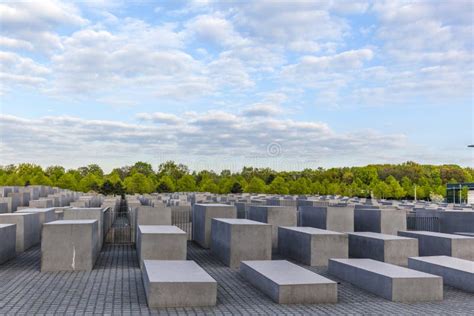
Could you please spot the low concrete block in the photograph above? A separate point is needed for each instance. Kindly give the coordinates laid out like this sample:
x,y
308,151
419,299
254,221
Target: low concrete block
x,y
177,284
439,244
8,242
147,215
235,240
69,245
386,221
275,216
386,248
27,229
334,218
202,220
161,242
312,246
45,215
457,221
389,281
458,273
287,283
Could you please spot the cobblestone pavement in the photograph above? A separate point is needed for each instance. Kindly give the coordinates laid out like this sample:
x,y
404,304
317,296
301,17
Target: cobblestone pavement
x,y
115,287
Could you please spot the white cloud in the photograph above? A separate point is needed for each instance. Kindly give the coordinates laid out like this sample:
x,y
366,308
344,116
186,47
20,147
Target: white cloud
x,y
260,109
15,69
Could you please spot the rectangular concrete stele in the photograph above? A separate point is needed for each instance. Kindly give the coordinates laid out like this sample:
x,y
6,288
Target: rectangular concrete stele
x,y
379,221
312,246
46,215
275,216
3,207
389,281
287,283
96,213
335,218
382,247
7,242
177,284
235,240
161,242
147,215
27,229
457,221
69,245
458,273
202,220
439,244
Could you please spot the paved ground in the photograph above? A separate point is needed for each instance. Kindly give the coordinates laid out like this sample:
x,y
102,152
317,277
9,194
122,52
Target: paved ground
x,y
115,287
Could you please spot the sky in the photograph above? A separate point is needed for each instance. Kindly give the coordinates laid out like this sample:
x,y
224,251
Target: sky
x,y
222,85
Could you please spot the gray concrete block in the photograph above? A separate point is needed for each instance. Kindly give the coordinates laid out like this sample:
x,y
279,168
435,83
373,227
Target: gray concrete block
x,y
386,248
457,221
202,220
287,283
147,215
96,213
27,229
161,242
7,242
235,240
275,216
312,246
389,281
69,245
458,273
177,284
387,221
46,215
440,244
3,207
334,218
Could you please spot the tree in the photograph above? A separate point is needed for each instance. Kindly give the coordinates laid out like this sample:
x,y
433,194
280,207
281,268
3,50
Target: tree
x,y
142,167
40,179
236,188
138,183
395,190
186,184
208,185
90,182
170,168
165,185
67,181
54,173
278,186
256,185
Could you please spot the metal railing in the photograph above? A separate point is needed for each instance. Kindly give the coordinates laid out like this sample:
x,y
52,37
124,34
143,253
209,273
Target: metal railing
x,y
182,217
427,223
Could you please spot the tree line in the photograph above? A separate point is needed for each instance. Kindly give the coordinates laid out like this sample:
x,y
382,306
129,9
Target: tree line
x,y
389,181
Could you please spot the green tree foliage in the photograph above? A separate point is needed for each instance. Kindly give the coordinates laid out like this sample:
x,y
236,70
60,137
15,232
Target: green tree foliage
x,y
383,181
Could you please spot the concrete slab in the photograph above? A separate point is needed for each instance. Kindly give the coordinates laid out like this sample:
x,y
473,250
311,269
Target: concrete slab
x,y
235,240
389,281
275,216
382,247
8,242
27,229
436,244
287,283
69,245
161,242
334,218
386,221
202,220
458,273
177,284
312,246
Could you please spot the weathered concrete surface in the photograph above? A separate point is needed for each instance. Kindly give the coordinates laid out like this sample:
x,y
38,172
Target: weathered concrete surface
x,y
7,242
202,220
287,283
235,240
386,221
312,246
389,281
27,229
69,245
334,218
177,284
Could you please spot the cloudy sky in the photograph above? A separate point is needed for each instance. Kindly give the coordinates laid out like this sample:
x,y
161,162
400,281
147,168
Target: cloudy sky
x,y
212,85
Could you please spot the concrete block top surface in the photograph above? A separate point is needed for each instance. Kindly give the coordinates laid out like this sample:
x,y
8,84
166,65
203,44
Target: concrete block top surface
x,y
383,268
160,229
312,230
77,209
435,234
36,210
175,271
72,222
284,272
16,214
379,236
240,221
6,225
449,262
214,205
